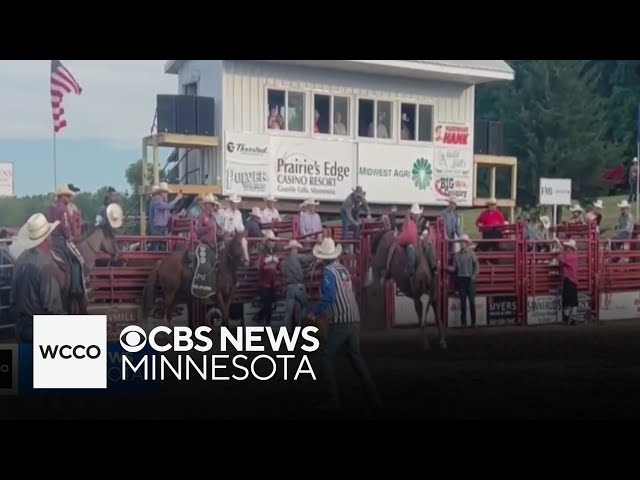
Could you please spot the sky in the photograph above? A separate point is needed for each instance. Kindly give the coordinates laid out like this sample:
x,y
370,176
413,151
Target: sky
x,y
105,124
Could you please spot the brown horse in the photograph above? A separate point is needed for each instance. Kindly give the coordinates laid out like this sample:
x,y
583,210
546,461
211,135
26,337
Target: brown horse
x,y
388,264
173,274
98,240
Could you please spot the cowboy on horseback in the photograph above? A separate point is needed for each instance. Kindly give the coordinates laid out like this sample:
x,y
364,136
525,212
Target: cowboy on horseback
x,y
408,238
62,237
210,241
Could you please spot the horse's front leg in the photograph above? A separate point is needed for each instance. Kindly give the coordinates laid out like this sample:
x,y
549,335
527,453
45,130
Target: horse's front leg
x,y
442,331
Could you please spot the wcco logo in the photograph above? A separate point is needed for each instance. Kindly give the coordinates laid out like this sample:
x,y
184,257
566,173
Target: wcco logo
x,y
69,351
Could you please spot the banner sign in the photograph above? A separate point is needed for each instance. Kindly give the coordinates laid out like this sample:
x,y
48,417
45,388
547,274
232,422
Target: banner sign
x,y
555,191
7,186
247,164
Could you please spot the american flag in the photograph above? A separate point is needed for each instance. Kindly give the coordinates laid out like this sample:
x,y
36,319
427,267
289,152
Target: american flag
x,y
62,82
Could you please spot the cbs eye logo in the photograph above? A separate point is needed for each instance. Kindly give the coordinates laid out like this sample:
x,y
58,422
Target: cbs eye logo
x,y
231,147
133,338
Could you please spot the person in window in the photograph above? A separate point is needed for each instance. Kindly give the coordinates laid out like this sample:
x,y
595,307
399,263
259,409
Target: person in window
x,y
339,128
316,119
405,131
382,129
275,120
439,135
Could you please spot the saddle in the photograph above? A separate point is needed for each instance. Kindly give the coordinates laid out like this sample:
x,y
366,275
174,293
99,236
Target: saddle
x,y
205,261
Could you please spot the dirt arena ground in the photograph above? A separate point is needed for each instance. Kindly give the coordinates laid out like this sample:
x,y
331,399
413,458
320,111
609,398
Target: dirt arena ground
x,y
551,372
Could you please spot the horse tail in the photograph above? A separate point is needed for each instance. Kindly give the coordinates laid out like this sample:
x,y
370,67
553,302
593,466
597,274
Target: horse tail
x,y
148,293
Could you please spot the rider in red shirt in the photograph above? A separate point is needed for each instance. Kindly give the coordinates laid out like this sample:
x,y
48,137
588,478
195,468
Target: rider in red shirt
x,y
267,270
408,238
207,229
491,217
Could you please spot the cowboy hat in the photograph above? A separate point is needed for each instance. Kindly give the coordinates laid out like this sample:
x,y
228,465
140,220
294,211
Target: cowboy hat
x,y
359,191
576,208
545,221
598,204
635,160
464,238
209,198
624,204
35,231
492,201
163,187
270,198
415,209
255,212
234,198
570,243
293,244
452,200
154,189
309,201
73,188
327,250
64,190
115,215
269,236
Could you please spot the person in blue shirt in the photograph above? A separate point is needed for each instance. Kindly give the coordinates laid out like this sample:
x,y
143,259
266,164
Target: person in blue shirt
x,y
339,306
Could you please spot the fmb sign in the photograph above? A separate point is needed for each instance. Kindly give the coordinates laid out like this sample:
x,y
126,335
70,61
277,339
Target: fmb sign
x,y
555,191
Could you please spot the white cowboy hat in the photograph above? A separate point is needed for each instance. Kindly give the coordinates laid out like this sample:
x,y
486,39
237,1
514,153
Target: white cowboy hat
x,y
154,189
255,212
452,200
545,221
576,208
163,187
293,244
327,250
624,204
464,238
270,198
234,198
115,215
492,201
635,160
415,209
598,204
570,243
35,231
64,190
209,198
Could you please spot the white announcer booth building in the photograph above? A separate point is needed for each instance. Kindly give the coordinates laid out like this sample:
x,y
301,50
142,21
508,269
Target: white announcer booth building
x,y
402,129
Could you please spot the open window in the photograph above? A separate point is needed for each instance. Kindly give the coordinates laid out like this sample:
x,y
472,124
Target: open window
x,y
375,118
331,115
286,110
416,122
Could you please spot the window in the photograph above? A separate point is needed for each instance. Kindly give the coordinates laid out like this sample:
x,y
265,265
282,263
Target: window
x,y
382,111
190,88
327,107
416,122
286,110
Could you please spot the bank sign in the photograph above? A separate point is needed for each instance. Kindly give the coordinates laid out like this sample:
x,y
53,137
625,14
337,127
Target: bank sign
x,y
288,167
408,174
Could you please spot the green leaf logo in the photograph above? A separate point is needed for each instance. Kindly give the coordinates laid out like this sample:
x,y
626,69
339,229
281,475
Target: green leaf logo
x,y
421,173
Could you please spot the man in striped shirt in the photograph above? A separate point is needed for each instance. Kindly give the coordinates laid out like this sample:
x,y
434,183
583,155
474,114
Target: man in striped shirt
x,y
338,303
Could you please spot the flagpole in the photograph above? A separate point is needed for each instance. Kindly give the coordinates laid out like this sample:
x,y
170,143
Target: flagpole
x,y
55,165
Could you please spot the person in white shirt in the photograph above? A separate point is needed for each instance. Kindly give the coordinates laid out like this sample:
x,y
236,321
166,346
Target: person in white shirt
x,y
232,218
270,213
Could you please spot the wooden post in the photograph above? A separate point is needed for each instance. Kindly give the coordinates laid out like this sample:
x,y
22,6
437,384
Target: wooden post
x,y
156,161
143,218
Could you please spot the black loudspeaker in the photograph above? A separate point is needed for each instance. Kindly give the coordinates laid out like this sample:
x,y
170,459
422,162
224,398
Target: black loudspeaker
x,y
166,112
481,137
205,116
496,138
186,114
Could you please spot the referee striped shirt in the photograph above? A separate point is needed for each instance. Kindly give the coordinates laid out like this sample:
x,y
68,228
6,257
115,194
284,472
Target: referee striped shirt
x,y
338,297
